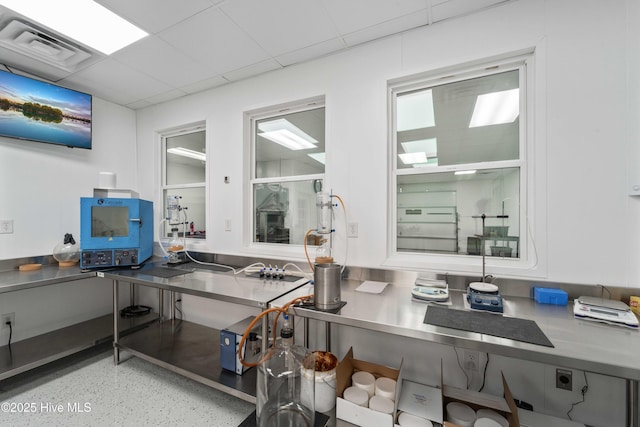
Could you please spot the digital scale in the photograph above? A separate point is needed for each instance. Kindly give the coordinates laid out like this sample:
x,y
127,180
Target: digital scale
x,y
484,296
430,290
605,311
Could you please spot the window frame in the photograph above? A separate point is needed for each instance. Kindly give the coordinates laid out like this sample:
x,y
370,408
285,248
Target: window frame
x,y
192,243
251,118
524,62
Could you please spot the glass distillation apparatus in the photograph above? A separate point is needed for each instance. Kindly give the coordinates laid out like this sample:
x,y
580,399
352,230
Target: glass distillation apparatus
x,y
326,273
175,247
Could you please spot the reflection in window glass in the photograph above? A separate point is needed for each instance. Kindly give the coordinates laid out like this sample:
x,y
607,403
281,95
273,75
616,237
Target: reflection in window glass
x,y
457,157
194,216
475,120
288,169
284,211
290,144
441,212
185,176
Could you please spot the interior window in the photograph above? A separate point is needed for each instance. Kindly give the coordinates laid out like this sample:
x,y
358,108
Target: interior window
x,y
184,178
458,162
288,170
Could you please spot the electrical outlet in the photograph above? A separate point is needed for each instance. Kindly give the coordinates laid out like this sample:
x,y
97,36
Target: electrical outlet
x,y
227,225
471,360
563,379
9,317
352,229
6,226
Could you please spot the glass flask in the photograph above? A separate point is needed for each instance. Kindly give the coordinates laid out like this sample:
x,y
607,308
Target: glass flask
x,y
286,384
323,252
67,252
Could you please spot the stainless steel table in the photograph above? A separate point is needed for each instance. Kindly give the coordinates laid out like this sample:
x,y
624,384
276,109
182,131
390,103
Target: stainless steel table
x,y
188,348
578,344
39,350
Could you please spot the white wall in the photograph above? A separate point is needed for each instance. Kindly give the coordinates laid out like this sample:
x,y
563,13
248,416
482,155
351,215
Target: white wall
x,y
40,190
41,184
581,213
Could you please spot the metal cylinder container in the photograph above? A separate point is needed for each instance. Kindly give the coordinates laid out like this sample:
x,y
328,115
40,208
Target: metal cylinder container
x,y
326,286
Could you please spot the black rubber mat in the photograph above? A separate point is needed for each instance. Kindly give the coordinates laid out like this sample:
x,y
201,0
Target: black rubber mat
x,y
487,323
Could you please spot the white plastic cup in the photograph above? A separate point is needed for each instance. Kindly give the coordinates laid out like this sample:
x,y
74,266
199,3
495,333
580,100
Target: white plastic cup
x,y
356,396
461,414
106,180
406,419
381,404
486,422
365,381
386,387
489,413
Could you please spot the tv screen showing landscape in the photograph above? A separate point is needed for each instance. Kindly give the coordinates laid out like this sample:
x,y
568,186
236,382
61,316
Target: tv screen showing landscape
x,y
39,111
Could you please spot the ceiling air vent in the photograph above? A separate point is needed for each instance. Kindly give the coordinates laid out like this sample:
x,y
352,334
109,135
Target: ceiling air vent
x,y
29,40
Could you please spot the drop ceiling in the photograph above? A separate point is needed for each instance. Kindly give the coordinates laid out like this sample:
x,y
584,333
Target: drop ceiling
x,y
194,45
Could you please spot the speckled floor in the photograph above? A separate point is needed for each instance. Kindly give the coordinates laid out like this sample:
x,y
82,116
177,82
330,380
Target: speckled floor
x,y
91,391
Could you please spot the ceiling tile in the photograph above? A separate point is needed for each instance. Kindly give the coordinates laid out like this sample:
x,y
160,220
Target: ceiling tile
x,y
111,80
154,16
452,8
166,96
214,40
311,52
205,84
252,70
281,26
354,15
158,59
387,28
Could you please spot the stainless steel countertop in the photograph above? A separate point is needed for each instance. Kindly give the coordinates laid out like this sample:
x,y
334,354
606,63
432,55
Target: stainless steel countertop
x,y
15,280
579,344
221,286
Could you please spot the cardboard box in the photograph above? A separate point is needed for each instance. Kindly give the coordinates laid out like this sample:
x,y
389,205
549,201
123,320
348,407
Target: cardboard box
x,y
353,413
505,406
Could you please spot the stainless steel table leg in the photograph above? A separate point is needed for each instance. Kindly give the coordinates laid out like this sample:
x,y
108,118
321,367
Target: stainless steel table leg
x,y
161,304
172,305
305,321
116,328
632,404
328,334
265,333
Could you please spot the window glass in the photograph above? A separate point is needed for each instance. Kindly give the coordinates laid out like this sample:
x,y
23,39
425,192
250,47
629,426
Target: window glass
x,y
185,177
284,211
288,170
290,144
458,159
475,120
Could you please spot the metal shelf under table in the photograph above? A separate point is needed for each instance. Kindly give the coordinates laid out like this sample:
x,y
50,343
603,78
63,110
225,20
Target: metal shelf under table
x,y
191,350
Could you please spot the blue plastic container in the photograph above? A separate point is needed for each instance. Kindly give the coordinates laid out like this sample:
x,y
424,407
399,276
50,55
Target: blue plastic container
x,y
550,296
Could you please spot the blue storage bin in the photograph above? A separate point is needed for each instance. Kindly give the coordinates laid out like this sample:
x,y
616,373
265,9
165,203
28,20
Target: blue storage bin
x,y
550,296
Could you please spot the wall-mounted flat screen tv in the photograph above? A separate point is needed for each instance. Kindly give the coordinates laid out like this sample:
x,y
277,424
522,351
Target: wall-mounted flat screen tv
x,y
39,111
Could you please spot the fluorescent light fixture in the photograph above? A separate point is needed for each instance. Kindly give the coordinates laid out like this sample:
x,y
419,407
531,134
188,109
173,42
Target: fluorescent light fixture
x,y
185,152
429,146
415,111
413,158
496,108
82,20
319,157
465,172
285,133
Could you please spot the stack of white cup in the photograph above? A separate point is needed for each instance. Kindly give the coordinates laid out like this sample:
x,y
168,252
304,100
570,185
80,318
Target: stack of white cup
x,y
369,392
